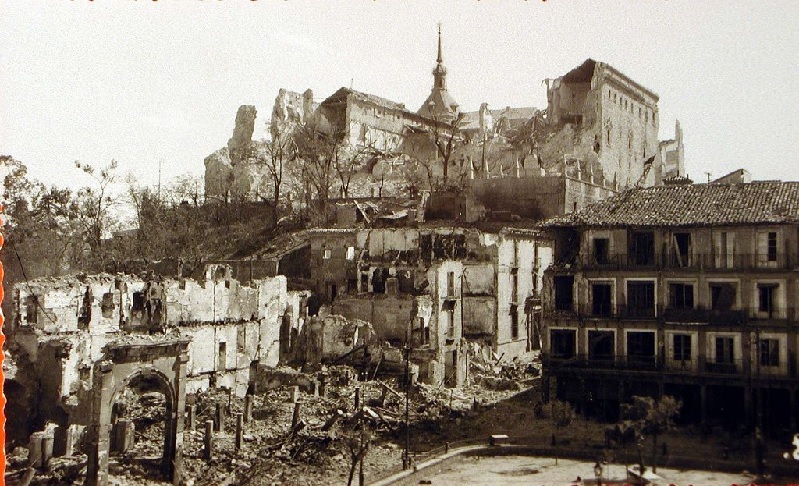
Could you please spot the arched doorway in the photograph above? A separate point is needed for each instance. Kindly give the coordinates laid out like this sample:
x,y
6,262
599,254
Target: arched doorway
x,y
146,365
141,423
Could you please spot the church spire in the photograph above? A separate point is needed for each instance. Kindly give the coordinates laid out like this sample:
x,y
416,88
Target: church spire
x,y
440,72
440,59
439,105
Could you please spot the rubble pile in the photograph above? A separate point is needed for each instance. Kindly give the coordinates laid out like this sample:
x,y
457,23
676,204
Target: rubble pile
x,y
495,374
291,437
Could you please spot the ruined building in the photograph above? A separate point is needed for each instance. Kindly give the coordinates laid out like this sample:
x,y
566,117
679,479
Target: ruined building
x,y
597,120
438,286
685,290
80,342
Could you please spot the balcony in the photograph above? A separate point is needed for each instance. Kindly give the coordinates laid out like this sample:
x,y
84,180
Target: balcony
x,y
721,318
634,363
709,316
606,311
710,366
695,261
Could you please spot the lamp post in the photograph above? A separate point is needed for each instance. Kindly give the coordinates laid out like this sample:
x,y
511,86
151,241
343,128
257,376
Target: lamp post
x,y
598,473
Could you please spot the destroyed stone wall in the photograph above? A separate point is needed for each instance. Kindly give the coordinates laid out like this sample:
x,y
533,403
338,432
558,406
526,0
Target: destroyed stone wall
x,y
522,260
291,108
601,117
390,315
239,144
229,327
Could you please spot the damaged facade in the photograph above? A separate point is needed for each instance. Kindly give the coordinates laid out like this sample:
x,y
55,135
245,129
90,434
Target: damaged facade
x,y
598,121
682,290
437,286
66,328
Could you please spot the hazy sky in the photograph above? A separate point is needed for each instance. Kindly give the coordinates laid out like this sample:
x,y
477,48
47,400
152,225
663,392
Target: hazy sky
x,y
143,81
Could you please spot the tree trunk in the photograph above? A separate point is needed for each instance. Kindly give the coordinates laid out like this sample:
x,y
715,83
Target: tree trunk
x,y
654,453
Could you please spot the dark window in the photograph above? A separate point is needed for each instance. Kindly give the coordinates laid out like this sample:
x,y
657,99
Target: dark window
x,y
221,362
772,246
601,345
514,322
514,282
681,245
564,293
601,251
724,353
769,350
138,302
641,347
85,314
564,343
601,299
451,284
722,296
32,308
682,347
424,332
681,296
107,305
766,298
642,248
451,322
641,299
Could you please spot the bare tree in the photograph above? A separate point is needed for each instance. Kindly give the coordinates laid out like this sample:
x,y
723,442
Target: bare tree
x,y
95,204
274,155
447,138
317,152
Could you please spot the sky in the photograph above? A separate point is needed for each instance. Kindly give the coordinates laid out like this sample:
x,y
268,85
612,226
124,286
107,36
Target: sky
x,y
158,83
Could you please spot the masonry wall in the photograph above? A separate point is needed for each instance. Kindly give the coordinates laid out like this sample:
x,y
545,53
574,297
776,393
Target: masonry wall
x,y
535,198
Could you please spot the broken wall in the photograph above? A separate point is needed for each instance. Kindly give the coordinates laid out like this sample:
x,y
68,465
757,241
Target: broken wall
x,y
601,117
390,316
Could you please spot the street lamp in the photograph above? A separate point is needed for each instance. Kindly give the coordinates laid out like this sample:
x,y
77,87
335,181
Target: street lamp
x,y
598,473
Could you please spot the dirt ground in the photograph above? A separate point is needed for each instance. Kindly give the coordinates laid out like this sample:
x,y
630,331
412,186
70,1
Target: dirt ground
x,y
320,451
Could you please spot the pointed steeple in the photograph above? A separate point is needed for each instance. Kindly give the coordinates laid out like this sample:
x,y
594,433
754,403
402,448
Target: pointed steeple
x,y
440,59
439,105
440,72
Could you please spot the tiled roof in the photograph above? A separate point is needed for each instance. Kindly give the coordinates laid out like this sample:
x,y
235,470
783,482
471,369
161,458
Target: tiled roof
x,y
692,205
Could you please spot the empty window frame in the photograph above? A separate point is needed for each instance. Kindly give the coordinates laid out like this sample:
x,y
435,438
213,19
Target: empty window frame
x,y
641,346
601,345
564,292
601,299
514,322
681,296
681,249
640,298
601,251
767,298
681,347
563,343
450,284
724,350
722,296
642,248
769,352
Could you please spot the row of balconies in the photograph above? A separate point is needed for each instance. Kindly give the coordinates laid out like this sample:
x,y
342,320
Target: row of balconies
x,y
694,261
703,366
670,314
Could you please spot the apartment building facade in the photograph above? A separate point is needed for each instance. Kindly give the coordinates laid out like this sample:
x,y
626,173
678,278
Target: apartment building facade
x,y
682,290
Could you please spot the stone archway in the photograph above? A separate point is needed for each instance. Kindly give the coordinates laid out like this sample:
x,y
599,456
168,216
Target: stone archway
x,y
122,363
